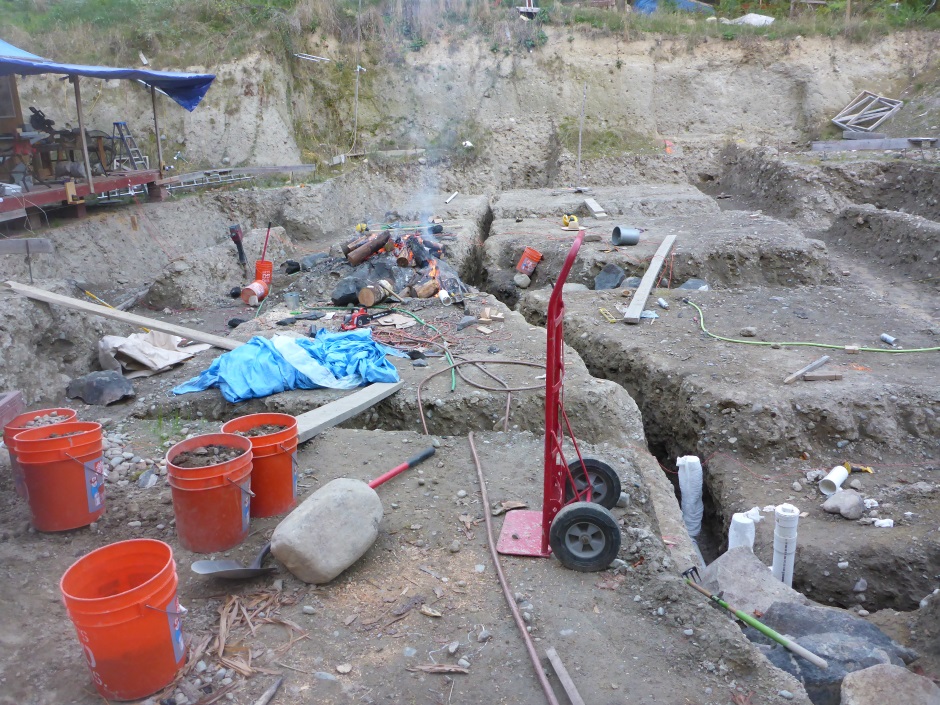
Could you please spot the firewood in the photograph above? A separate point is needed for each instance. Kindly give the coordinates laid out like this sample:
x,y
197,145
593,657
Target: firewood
x,y
364,252
427,289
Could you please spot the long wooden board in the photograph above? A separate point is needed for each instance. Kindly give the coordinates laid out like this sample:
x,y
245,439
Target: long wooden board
x,y
890,143
26,246
638,302
570,689
310,423
198,336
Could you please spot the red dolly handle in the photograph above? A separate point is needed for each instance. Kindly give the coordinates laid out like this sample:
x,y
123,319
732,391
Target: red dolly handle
x,y
419,458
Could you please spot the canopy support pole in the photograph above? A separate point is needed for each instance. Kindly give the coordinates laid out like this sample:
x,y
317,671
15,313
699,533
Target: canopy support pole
x,y
81,129
156,129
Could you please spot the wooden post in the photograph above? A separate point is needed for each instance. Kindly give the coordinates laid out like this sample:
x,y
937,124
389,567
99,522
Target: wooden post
x,y
81,128
156,128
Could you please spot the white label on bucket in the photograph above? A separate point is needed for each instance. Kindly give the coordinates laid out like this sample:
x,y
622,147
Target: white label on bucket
x,y
174,617
293,461
94,484
246,505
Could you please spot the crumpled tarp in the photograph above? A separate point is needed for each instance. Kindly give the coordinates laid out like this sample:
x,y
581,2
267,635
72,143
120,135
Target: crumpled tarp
x,y
648,7
262,367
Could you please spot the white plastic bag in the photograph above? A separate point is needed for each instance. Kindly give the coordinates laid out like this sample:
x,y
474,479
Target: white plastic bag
x,y
690,488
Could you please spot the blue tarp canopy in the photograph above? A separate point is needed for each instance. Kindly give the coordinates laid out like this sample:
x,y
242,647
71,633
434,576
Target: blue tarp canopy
x,y
647,7
187,89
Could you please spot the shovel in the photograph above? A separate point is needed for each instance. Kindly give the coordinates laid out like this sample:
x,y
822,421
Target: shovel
x,y
233,570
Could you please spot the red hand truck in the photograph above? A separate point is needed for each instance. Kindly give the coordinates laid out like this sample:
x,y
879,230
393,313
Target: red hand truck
x,y
575,522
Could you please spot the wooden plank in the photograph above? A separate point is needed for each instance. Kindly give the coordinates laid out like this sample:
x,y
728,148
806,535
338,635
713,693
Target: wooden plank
x,y
638,302
822,376
310,423
814,365
894,143
133,319
572,691
26,246
595,208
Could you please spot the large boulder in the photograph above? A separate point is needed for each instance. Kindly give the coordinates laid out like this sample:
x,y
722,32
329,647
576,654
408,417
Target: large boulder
x,y
746,582
848,503
848,643
886,683
329,531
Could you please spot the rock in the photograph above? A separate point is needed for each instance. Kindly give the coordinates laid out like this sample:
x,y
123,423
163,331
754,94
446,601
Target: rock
x,y
610,277
623,500
201,666
785,694
748,332
573,286
344,668
694,285
452,647
797,487
855,484
522,281
329,531
147,479
887,683
461,494
848,503
746,582
455,546
861,585
466,321
484,636
100,388
419,363
464,663
308,609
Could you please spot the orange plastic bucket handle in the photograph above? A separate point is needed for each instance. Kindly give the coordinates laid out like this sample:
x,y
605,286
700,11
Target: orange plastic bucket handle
x,y
243,489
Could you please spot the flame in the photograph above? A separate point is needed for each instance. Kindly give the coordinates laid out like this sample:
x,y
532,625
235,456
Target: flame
x,y
433,271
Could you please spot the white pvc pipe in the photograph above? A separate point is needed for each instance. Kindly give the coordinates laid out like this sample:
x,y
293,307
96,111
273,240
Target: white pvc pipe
x,y
741,532
787,517
690,491
832,482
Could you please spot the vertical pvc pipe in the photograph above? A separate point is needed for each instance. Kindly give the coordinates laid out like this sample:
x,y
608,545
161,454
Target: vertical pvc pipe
x,y
690,489
741,531
787,517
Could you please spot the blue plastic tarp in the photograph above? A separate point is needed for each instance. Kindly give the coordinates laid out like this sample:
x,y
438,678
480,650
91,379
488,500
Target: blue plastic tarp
x,y
262,367
648,7
187,89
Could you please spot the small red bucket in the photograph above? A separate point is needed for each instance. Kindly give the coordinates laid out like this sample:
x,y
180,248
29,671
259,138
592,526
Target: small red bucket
x,y
264,271
530,258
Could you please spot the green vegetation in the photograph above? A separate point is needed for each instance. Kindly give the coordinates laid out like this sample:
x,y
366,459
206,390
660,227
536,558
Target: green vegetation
x,y
604,142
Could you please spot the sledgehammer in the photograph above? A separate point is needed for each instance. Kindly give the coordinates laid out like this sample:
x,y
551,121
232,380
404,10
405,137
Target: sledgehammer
x,y
333,527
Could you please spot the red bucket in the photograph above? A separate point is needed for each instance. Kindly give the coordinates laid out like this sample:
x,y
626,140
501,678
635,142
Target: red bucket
x,y
530,258
122,601
19,424
274,462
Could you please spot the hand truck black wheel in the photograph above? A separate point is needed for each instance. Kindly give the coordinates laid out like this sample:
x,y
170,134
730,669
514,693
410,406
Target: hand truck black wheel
x,y
585,537
605,484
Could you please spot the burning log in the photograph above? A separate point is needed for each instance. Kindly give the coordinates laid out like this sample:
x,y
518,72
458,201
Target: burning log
x,y
348,247
421,256
364,252
427,289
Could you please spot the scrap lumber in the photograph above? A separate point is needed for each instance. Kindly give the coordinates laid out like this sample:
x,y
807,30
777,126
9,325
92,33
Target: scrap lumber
x,y
310,423
365,251
638,302
814,365
891,143
595,208
26,246
570,689
822,376
133,319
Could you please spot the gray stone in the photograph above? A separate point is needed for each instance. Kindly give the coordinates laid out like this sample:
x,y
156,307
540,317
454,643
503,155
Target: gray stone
x,y
329,531
861,585
100,388
522,281
455,546
848,503
694,285
308,609
746,582
797,487
748,332
463,662
785,694
887,683
610,277
573,286
855,484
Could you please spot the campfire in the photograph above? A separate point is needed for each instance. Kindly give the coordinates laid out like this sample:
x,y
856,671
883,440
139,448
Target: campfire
x,y
406,262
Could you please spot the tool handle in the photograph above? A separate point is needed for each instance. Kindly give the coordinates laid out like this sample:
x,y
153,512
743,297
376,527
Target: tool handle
x,y
264,249
419,458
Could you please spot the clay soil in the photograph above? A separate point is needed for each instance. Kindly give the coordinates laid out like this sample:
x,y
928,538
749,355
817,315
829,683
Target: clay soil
x,y
265,430
210,455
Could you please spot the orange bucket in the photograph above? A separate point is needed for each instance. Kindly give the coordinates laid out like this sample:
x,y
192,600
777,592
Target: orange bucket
x,y
274,462
211,504
254,293
264,271
530,258
19,424
64,477
122,601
